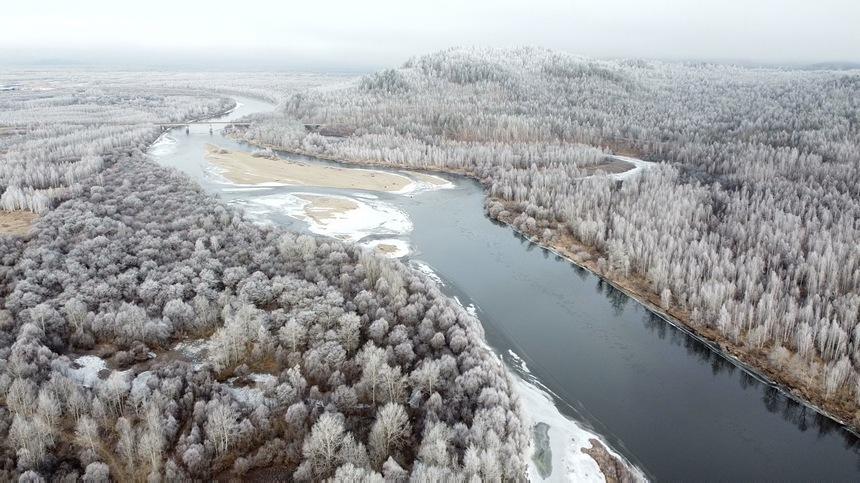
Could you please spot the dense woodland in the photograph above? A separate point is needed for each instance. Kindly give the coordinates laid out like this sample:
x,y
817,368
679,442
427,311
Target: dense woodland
x,y
748,229
149,332
55,127
54,138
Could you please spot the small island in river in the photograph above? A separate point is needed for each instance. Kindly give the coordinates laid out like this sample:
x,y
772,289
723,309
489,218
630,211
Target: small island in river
x,y
245,168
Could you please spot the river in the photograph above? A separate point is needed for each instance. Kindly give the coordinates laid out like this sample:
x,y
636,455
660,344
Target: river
x,y
669,403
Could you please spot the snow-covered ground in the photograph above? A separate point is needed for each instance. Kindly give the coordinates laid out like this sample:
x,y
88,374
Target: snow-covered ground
x,y
369,217
140,381
423,182
265,380
439,183
252,395
471,309
195,350
638,166
567,438
400,247
426,270
89,367
164,145
88,371
192,348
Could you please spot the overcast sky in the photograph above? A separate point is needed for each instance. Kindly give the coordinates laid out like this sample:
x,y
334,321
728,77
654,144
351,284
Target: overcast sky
x,y
367,34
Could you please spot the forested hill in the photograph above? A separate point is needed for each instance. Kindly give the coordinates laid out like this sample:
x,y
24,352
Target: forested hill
x,y
748,231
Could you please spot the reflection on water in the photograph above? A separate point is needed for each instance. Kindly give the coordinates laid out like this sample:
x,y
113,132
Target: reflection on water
x,y
775,401
663,397
616,297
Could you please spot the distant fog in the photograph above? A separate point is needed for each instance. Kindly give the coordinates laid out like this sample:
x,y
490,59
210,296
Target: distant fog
x,y
356,36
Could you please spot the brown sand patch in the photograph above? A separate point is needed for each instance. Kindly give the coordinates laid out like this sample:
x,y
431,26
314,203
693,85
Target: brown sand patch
x,y
386,248
325,208
16,222
240,167
613,469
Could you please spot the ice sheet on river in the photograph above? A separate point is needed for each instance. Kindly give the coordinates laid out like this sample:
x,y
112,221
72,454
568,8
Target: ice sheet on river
x,y
567,438
367,217
388,247
424,268
164,145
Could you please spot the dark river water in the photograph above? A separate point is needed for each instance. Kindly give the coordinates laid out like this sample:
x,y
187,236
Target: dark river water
x,y
670,404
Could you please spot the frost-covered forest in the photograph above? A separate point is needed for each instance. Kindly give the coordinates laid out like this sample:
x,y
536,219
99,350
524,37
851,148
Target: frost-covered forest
x,y
53,142
747,231
56,127
149,332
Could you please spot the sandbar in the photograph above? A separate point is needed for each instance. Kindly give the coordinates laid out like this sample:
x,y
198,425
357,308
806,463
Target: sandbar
x,y
16,222
243,168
